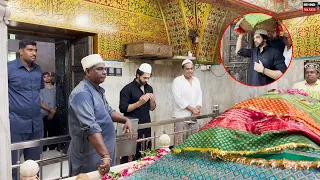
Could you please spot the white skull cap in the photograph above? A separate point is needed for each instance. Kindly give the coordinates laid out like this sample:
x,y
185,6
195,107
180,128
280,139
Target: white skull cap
x,y
91,60
187,61
146,68
261,31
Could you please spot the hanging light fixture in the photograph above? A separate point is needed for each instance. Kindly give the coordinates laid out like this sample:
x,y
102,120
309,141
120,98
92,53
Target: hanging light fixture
x,y
193,33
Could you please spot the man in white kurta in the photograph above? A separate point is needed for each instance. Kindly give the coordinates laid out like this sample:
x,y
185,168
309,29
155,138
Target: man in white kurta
x,y
187,96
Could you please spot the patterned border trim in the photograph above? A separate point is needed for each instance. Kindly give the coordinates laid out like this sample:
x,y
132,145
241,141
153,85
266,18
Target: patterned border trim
x,y
288,164
222,153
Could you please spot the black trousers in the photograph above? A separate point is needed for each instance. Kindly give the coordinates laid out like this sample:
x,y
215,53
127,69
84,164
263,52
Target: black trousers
x,y
147,145
50,130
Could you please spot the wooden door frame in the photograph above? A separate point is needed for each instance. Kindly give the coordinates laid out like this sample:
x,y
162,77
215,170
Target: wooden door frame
x,y
243,64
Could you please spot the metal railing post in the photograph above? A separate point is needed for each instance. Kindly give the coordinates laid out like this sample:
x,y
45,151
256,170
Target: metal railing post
x,y
40,164
154,141
143,143
61,160
216,110
18,163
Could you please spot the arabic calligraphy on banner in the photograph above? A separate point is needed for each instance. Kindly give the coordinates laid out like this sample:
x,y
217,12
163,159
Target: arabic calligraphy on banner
x,y
305,33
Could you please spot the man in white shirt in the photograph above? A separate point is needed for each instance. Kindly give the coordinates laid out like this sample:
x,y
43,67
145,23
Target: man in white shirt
x,y
187,96
287,53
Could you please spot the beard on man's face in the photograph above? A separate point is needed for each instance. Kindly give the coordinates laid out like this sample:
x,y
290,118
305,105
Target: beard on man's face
x,y
141,82
257,44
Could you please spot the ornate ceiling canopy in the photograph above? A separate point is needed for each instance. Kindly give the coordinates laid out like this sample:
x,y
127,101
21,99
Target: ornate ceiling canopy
x,y
281,9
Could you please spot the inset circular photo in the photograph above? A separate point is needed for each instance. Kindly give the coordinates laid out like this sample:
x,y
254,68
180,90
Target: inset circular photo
x,y
256,49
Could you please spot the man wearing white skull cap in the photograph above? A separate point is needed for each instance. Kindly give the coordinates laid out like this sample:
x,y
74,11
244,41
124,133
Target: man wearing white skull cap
x,y
136,101
145,68
187,96
91,128
266,63
311,82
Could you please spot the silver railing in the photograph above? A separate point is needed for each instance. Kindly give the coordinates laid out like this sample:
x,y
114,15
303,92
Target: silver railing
x,y
42,162
66,138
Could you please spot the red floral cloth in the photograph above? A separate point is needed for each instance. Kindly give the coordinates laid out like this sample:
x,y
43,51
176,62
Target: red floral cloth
x,y
257,122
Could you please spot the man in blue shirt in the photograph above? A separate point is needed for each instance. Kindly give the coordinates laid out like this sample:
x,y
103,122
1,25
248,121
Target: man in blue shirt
x,y
93,136
24,84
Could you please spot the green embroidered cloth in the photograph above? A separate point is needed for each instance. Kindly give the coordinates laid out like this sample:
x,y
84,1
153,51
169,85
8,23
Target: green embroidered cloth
x,y
254,19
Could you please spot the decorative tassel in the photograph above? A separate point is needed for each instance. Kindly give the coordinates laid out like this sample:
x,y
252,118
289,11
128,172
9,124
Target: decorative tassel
x,y
278,28
239,30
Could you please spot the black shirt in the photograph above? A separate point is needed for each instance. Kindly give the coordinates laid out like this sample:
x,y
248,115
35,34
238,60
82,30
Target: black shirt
x,y
277,43
271,59
130,94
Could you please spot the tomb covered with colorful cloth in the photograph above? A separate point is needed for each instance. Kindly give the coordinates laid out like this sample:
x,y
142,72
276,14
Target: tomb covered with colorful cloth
x,y
275,135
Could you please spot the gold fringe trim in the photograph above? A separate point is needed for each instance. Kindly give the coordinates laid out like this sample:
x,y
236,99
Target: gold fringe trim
x,y
288,164
229,153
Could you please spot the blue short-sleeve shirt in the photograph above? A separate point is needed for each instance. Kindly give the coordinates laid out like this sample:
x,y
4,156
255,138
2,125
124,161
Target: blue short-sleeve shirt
x,y
24,97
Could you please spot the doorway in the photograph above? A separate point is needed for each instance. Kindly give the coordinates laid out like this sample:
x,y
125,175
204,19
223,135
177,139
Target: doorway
x,y
59,51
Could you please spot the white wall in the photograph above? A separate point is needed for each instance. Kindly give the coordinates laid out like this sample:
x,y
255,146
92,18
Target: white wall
x,y
223,91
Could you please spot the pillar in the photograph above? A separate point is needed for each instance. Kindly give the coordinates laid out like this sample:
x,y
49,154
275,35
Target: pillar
x,y
5,149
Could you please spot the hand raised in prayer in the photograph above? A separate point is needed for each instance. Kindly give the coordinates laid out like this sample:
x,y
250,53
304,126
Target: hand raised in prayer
x,y
104,168
127,128
258,67
144,98
152,97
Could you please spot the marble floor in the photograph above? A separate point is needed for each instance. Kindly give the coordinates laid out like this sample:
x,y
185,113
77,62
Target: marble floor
x,y
52,171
